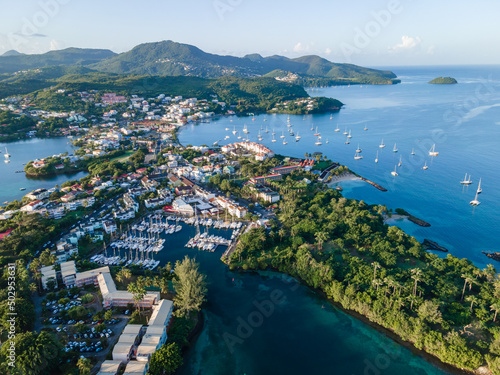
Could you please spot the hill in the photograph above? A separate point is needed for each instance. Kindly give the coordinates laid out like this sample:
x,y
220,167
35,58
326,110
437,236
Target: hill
x,y
13,62
444,80
12,52
173,59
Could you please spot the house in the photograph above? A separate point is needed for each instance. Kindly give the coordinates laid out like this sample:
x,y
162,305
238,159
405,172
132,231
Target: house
x,y
67,198
32,206
68,273
109,367
109,226
136,368
38,194
48,274
89,277
124,215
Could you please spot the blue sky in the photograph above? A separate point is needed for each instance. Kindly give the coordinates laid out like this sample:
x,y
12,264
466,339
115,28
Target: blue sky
x,y
370,33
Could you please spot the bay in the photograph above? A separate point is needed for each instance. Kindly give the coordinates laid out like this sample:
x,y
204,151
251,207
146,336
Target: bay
x,y
23,152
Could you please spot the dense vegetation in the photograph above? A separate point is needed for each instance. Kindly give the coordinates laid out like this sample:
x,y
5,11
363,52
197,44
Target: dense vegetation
x,y
447,307
170,58
68,56
444,80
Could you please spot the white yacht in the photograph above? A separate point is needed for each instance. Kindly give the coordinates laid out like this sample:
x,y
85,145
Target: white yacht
x,y
395,149
394,172
475,202
382,144
479,190
425,166
357,156
432,151
6,155
466,181
358,150
376,158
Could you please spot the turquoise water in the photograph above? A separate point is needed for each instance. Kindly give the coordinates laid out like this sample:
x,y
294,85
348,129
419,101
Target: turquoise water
x,y
288,329
23,152
462,120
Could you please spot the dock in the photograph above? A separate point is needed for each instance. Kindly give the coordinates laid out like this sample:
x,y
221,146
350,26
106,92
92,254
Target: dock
x,y
381,188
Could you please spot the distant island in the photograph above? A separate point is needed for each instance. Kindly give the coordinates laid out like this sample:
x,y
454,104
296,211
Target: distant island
x,y
444,80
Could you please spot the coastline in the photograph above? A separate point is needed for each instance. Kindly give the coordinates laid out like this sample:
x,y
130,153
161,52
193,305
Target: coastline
x,y
379,328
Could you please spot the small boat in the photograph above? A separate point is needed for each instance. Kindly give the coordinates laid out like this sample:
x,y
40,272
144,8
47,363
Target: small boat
x,y
273,133
23,188
337,129
395,149
466,181
425,166
226,137
227,129
326,140
376,158
432,151
365,128
357,156
267,130
245,130
288,122
239,136
297,137
318,142
345,132
235,131
400,162
6,161
358,150
317,133
382,144
331,117
412,152
349,136
282,134
479,190
312,127
475,202
274,139
394,172
6,155
285,142
347,141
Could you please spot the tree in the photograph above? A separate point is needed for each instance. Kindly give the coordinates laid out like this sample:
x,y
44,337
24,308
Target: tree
x,y
495,307
84,366
321,237
108,315
429,311
190,287
473,300
468,279
375,266
138,293
416,277
165,360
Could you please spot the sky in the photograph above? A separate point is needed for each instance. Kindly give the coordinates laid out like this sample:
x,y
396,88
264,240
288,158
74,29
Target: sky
x,y
363,32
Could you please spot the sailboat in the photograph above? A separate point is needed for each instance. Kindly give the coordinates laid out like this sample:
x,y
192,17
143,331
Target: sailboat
x,y
365,128
235,131
318,142
349,136
259,136
326,140
337,129
432,151
395,149
282,134
297,137
317,133
425,166
267,130
357,156
285,142
288,122
227,129
273,133
400,162
479,190
382,144
245,130
412,152
331,117
6,155
274,139
358,150
475,202
376,158
394,172
347,141
312,127
239,136
345,132
466,181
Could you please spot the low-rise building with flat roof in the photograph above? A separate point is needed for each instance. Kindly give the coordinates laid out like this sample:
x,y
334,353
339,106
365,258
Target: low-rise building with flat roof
x,y
109,367
48,273
90,277
136,368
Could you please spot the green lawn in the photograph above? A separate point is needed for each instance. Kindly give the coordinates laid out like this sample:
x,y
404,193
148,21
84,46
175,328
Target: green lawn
x,y
123,157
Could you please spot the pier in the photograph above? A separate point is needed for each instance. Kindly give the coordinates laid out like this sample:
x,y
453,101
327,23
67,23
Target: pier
x,y
381,188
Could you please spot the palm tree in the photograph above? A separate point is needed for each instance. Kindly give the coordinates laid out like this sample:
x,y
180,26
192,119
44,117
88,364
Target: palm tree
x,y
375,266
321,237
377,282
413,299
416,273
496,308
468,279
473,300
281,233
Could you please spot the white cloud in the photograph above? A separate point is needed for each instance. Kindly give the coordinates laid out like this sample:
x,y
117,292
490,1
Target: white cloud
x,y
408,43
300,47
328,50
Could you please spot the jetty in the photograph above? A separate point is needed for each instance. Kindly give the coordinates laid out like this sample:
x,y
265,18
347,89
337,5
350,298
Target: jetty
x,y
412,218
431,245
381,188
